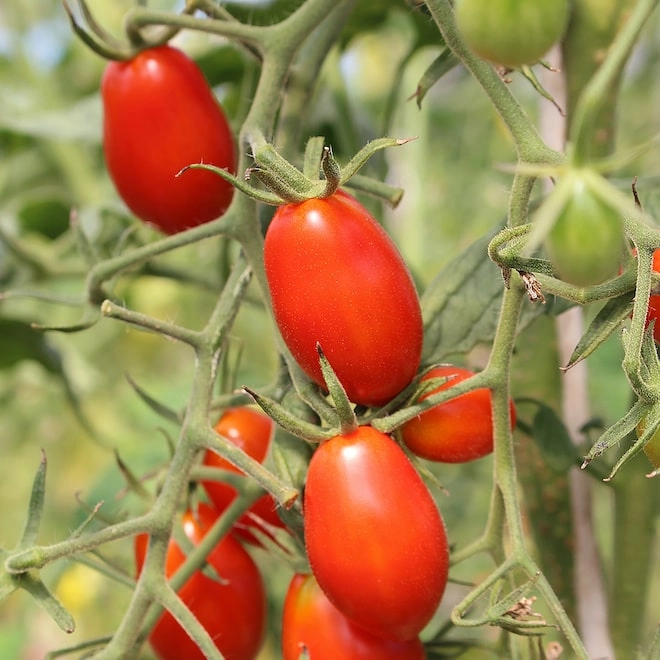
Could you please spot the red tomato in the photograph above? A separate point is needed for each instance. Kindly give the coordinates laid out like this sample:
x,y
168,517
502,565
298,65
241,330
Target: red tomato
x,y
375,539
457,431
233,611
252,432
336,278
312,623
160,115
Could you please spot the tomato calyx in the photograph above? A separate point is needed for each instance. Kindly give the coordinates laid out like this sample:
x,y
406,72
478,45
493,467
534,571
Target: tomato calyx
x,y
344,418
320,177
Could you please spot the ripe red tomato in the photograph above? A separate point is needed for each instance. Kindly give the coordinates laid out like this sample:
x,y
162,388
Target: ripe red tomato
x,y
336,278
233,611
312,623
511,32
375,539
252,431
160,115
457,431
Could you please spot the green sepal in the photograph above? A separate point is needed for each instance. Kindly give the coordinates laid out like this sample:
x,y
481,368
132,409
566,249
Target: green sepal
x,y
288,421
345,412
36,507
57,612
617,432
608,319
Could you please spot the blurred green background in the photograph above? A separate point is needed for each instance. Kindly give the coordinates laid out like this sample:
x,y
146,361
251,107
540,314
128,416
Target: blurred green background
x,y
51,162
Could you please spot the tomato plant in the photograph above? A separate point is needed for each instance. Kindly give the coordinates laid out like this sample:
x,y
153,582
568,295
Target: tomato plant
x,y
336,278
312,623
653,313
252,431
586,240
375,539
159,115
511,32
231,608
458,430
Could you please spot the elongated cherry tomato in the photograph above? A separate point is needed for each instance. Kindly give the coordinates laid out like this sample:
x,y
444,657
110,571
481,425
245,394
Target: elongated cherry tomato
x,y
159,115
457,431
232,609
312,623
375,539
252,431
336,278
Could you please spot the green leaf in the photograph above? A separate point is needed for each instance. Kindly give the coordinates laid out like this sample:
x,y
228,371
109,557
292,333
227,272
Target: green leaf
x,y
78,121
461,305
20,341
47,215
608,319
441,65
553,440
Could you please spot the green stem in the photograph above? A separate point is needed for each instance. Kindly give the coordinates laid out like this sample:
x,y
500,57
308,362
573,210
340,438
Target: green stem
x,y
636,507
530,146
592,120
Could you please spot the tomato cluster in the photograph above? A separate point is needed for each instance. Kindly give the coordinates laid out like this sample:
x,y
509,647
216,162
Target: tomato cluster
x,y
159,116
231,605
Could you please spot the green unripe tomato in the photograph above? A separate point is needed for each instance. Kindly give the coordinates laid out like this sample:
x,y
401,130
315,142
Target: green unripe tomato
x,y
511,32
586,242
652,447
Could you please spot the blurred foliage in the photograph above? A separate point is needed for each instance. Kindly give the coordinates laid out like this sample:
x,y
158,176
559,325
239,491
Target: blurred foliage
x,y
51,162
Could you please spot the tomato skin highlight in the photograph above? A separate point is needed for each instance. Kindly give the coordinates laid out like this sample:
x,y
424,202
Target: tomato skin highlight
x,y
312,622
232,611
159,115
511,32
251,431
336,278
375,539
457,431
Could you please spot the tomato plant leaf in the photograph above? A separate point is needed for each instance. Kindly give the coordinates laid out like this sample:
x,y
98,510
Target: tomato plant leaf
x,y
80,121
20,341
553,439
461,305
441,65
